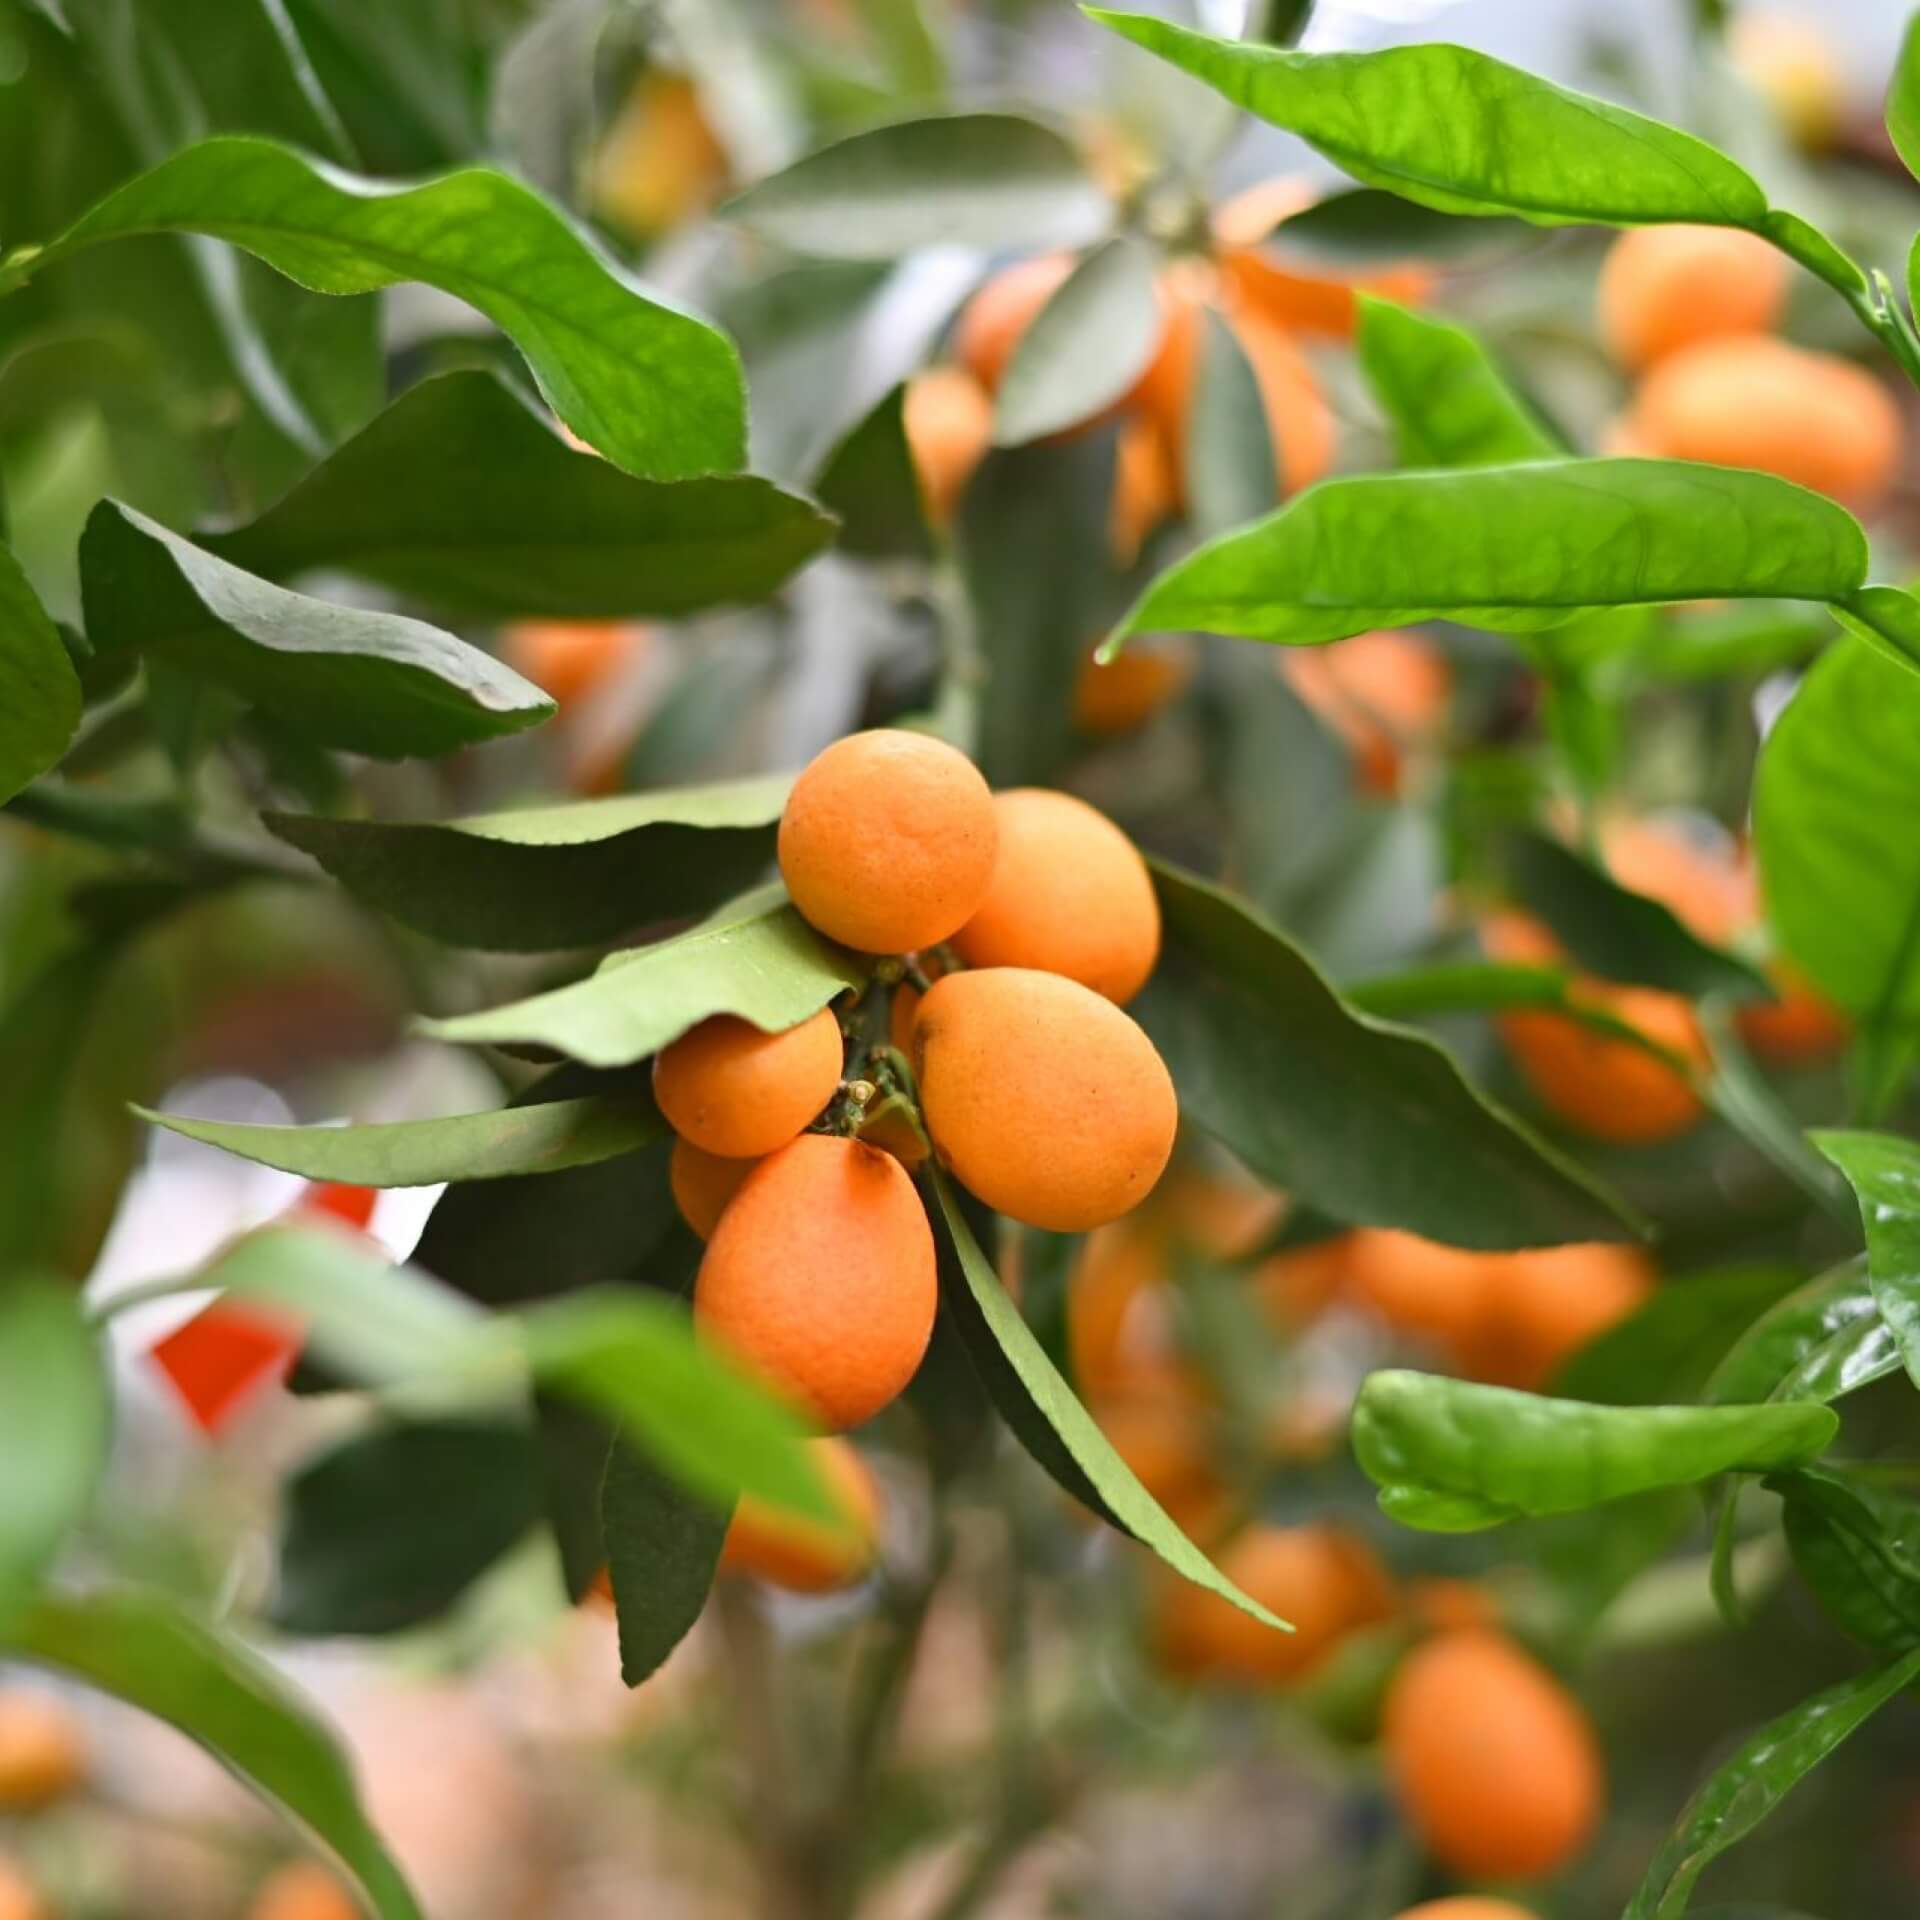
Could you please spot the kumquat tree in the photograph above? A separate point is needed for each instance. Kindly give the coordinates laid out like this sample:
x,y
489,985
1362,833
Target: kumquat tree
x,y
959,960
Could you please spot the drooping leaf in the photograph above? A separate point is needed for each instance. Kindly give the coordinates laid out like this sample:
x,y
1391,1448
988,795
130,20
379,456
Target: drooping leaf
x,y
533,1139
1903,100
1451,1455
1842,890
542,878
1508,142
1086,347
1858,1548
1368,1122
1232,466
1517,547
869,481
657,391
389,1528
39,689
1734,1801
1447,402
460,495
1617,933
760,962
375,683
144,1649
1884,1172
663,1545
988,180
53,1426
1046,1417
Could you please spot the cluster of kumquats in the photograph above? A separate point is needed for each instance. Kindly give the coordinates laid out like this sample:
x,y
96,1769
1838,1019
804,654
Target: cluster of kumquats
x,y
1008,930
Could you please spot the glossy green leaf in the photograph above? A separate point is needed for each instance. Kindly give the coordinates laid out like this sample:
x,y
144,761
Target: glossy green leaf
x,y
39,690
869,481
1507,142
1747,1788
760,962
541,1138
541,878
988,180
1884,1172
1086,347
1903,100
1668,1348
1518,547
144,1649
461,495
1450,1454
1233,474
1448,404
54,1417
1616,933
389,1528
657,391
663,1547
1369,1122
1858,1548
1046,1417
375,683
1821,1342
1839,769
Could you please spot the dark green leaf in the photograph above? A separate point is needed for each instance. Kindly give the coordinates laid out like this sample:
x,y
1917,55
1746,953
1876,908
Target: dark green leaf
x,y
1448,404
1841,765
1822,1341
1903,100
1366,226
655,390
53,1426
1451,1455
1233,474
459,494
1750,1785
1507,142
760,962
1885,1175
144,1649
1046,1417
1371,1123
1616,933
389,1528
663,1545
1858,1549
372,683
542,1138
39,689
1514,547
870,482
542,878
1086,347
990,180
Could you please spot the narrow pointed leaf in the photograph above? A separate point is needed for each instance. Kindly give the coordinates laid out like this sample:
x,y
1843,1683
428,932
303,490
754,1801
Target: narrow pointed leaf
x,y
1233,474
1369,1122
541,878
1884,1172
374,683
39,689
656,390
1515,547
663,1548
1508,142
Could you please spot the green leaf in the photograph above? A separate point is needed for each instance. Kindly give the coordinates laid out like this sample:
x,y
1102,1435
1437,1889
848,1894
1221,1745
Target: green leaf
x,y
760,962
1507,142
374,683
540,1138
39,689
663,1546
142,1648
657,391
1841,765
1447,402
1449,1453
1619,934
389,1528
1233,474
461,495
1045,1416
1369,1122
869,481
1903,100
1888,619
1516,547
1884,1172
541,878
1668,1348
1821,1342
54,1417
1741,1794
1858,1549
1368,227
1086,347
1712,643
988,180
